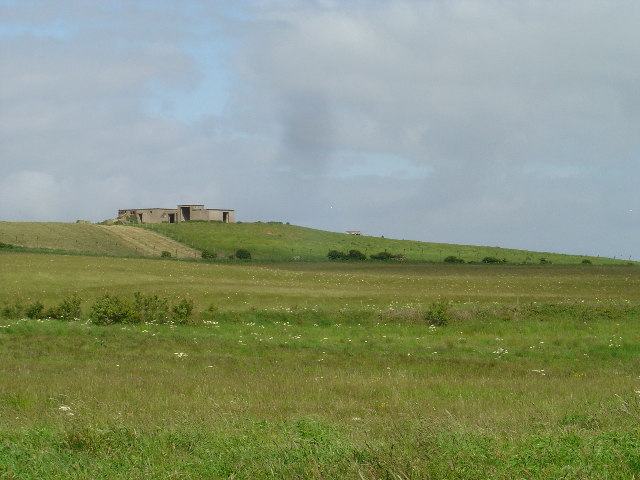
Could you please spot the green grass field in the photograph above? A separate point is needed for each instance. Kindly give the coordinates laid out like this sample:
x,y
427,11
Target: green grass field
x,y
323,370
280,242
327,286
266,242
369,397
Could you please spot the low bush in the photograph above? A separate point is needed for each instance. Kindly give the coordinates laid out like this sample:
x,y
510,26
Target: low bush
x,y
544,261
493,260
437,314
110,309
336,255
181,314
35,310
243,254
208,254
356,255
586,261
150,308
165,254
6,245
68,309
453,259
387,256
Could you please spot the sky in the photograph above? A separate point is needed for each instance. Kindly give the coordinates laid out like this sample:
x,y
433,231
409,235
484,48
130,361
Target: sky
x,y
498,123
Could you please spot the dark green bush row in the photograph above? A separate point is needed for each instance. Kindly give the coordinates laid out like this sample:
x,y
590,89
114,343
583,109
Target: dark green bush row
x,y
241,254
68,309
493,260
109,309
113,309
352,255
453,259
387,256
358,255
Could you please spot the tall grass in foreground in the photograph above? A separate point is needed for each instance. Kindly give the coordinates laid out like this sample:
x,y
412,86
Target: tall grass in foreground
x,y
550,391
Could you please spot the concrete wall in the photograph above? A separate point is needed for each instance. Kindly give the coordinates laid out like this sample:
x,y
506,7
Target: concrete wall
x,y
183,213
150,215
226,216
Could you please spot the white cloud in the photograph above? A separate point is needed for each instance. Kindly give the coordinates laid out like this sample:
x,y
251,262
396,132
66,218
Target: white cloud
x,y
511,123
30,195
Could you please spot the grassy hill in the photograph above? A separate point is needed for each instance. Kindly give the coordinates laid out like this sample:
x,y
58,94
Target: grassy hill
x,y
266,241
280,242
85,238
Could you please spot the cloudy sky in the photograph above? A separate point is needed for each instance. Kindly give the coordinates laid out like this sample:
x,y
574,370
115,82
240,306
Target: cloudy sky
x,y
494,122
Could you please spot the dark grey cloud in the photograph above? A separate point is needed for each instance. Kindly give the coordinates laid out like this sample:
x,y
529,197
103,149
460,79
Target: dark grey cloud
x,y
499,123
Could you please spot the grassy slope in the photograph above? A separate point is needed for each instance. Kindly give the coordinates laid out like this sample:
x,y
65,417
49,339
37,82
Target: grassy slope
x,y
71,237
274,241
148,243
91,239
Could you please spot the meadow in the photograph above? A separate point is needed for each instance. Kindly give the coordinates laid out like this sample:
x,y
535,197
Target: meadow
x,y
275,241
323,370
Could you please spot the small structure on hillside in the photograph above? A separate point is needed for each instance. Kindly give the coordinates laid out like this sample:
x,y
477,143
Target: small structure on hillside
x,y
354,232
183,213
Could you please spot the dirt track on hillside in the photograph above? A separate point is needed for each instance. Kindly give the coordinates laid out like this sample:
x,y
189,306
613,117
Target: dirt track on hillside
x,y
149,243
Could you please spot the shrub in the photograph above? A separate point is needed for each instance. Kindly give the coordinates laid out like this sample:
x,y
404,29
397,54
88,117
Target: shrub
x,y
494,260
437,314
35,310
68,309
544,261
165,254
150,308
243,254
6,245
356,255
181,313
336,255
111,309
208,254
381,256
586,261
453,259
388,256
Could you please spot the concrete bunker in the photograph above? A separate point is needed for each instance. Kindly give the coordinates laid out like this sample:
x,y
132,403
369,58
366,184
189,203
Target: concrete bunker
x,y
183,213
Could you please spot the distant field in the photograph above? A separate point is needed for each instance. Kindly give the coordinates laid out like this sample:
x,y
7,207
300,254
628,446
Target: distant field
x,y
323,285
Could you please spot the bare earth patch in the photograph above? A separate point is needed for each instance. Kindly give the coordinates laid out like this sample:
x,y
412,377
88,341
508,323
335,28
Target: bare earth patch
x,y
149,243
